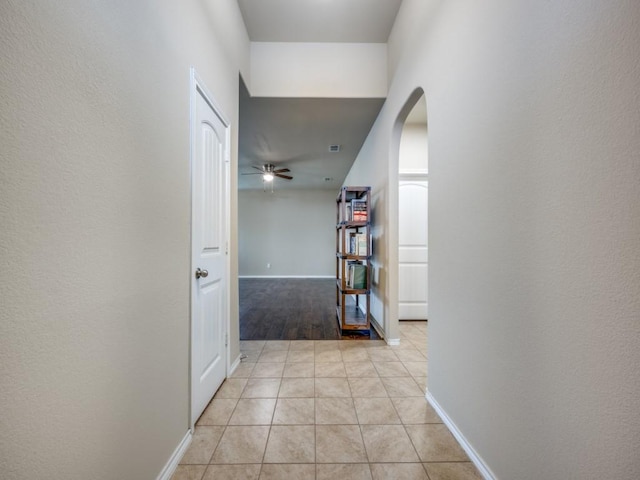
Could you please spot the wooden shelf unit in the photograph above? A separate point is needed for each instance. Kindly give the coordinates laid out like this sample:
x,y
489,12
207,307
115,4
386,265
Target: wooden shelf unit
x,y
351,318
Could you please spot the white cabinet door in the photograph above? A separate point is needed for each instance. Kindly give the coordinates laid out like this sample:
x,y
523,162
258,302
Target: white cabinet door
x,y
413,250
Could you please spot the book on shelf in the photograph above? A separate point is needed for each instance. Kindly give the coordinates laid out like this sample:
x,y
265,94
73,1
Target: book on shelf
x,y
350,271
359,210
353,243
361,244
357,276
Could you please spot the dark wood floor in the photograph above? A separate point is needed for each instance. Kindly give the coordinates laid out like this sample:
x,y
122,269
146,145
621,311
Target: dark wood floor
x,y
289,309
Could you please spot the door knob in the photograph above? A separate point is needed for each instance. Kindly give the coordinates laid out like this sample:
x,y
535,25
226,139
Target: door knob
x,y
201,273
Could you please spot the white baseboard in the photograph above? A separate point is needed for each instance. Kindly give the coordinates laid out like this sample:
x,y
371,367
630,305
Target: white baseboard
x,y
286,276
392,342
234,365
485,471
175,458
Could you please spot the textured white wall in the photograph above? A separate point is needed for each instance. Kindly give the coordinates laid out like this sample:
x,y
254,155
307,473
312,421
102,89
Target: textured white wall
x,y
331,70
534,221
94,215
414,148
293,230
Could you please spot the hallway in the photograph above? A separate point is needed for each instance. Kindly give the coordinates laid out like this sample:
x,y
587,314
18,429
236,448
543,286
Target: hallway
x,y
326,410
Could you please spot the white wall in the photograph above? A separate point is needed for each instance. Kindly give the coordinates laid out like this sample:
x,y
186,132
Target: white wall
x,y
330,70
95,208
293,230
534,223
414,148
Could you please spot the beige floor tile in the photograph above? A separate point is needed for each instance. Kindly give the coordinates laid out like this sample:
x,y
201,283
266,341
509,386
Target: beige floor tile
x,y
291,444
273,356
231,388
410,355
287,472
382,354
243,370
204,442
402,387
262,388
388,443
300,356
332,387
335,411
416,369
343,471
388,369
398,471
218,412
334,369
367,387
355,355
265,370
422,383
272,345
294,411
323,345
375,411
253,411
251,356
298,370
307,345
251,345
325,356
189,472
434,443
232,472
339,444
241,445
360,369
452,471
415,410
297,388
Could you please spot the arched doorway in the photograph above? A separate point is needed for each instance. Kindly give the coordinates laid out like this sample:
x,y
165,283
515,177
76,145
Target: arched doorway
x,y
413,170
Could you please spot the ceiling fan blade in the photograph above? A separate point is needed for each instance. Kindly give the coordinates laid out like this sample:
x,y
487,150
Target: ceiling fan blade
x,y
286,177
251,173
281,170
258,168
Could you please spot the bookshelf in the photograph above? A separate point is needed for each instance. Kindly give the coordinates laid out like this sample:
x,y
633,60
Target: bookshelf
x,y
353,260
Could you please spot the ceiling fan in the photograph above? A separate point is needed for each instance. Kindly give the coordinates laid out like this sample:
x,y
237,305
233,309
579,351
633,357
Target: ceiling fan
x,y
269,171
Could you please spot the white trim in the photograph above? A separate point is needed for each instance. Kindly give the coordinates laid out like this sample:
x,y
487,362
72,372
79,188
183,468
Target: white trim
x,y
234,365
170,468
412,174
392,342
286,276
376,326
484,470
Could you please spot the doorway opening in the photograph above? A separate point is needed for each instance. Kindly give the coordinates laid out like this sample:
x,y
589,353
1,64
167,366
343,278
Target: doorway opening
x,y
413,182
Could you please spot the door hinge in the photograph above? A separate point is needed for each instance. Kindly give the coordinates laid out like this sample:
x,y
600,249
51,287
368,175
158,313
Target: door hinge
x,y
226,248
226,339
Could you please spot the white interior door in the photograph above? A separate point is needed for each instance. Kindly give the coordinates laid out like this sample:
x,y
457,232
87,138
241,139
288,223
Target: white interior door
x,y
413,251
210,151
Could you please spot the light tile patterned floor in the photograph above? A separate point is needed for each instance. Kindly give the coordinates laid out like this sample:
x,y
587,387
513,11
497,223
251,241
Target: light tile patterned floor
x,y
338,410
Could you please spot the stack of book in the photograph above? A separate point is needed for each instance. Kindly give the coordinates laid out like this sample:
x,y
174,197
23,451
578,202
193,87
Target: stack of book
x,y
359,210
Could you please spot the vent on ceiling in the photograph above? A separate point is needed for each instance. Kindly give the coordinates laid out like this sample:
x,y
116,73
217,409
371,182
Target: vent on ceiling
x,y
334,148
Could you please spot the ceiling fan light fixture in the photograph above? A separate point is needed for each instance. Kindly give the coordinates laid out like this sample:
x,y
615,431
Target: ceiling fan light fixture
x,y
267,177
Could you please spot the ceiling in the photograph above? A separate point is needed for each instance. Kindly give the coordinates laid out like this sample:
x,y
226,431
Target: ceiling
x,y
296,133
349,21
